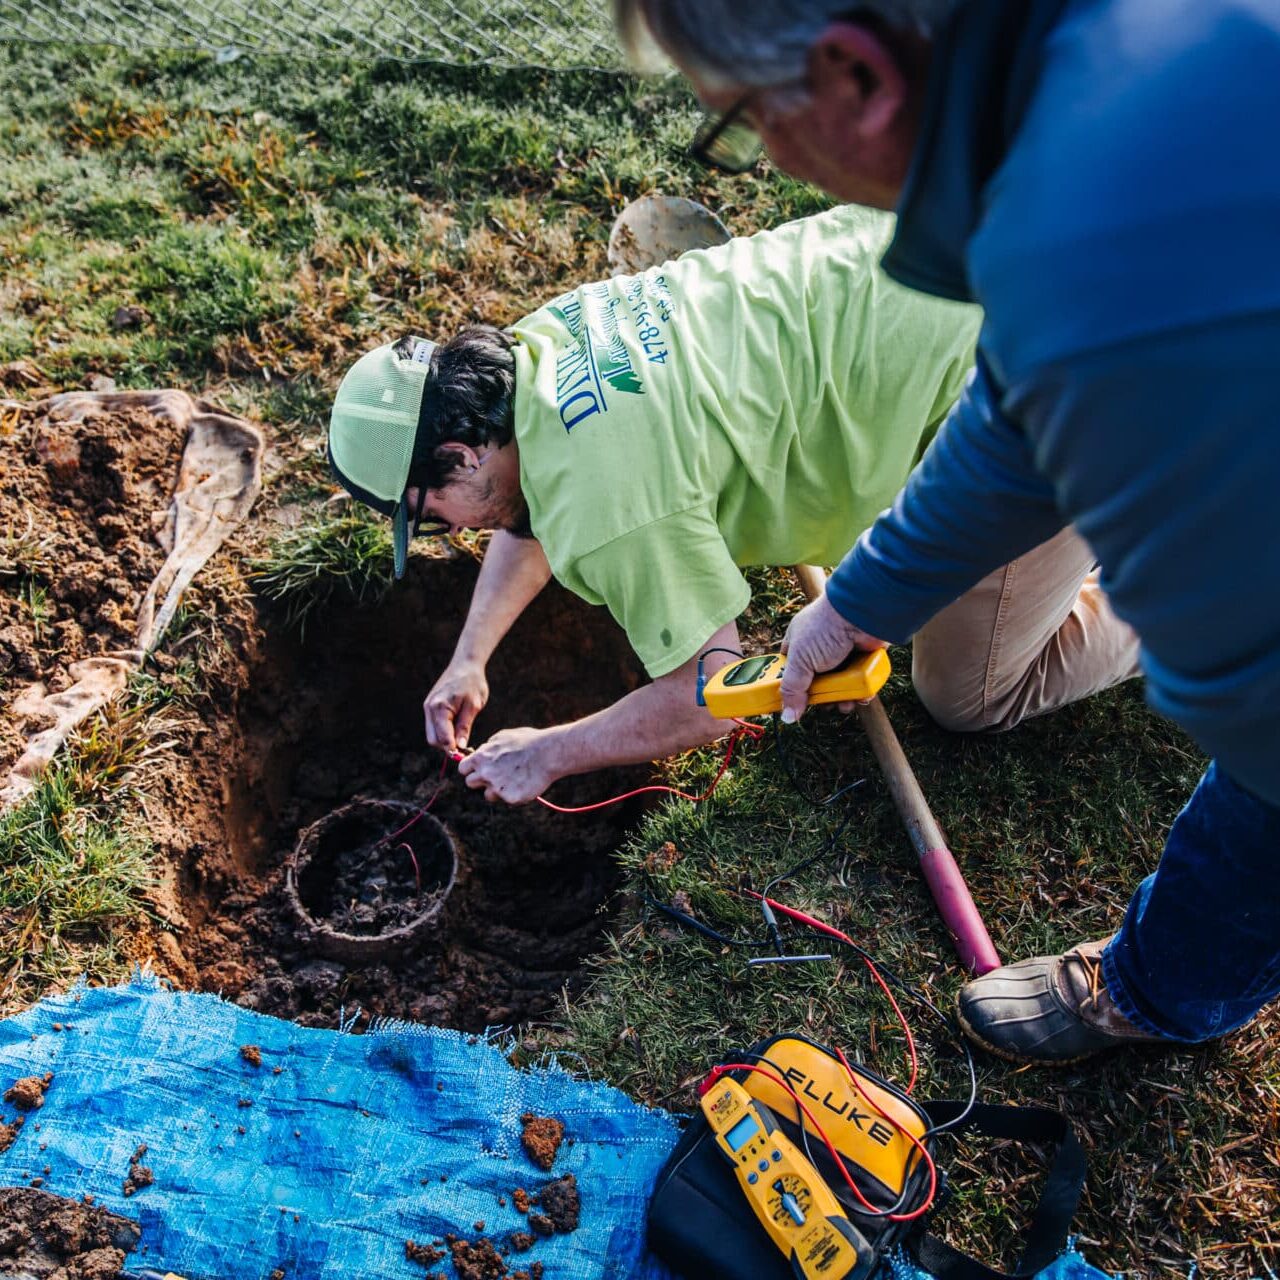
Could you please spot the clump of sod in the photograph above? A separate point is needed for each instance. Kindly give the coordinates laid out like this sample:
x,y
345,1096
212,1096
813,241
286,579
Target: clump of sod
x,y
345,555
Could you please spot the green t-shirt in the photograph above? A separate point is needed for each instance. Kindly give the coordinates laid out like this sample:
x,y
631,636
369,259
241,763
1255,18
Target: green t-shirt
x,y
758,403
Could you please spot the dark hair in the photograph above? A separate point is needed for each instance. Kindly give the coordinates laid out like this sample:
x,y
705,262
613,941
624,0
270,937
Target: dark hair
x,y
470,399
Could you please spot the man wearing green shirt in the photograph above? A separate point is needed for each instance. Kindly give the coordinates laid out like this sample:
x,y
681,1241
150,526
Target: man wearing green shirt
x,y
643,439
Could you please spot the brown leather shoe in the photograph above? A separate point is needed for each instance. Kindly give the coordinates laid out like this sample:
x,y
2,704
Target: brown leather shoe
x,y
1053,1009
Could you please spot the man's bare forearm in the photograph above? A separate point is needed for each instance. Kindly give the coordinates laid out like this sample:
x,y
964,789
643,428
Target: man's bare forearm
x,y
661,719
516,765
645,725
514,571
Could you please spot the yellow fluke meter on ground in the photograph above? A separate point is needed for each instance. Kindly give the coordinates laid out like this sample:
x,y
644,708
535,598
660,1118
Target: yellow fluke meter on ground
x,y
794,1205
753,686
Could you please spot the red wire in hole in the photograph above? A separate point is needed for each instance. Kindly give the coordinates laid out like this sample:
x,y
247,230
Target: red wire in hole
x,y
417,817
745,729
417,874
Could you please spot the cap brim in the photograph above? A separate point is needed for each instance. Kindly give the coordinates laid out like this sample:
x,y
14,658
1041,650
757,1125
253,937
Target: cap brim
x,y
400,535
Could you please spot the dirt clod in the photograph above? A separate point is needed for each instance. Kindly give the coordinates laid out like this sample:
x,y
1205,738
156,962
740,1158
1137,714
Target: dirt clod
x,y
522,1241
129,318
140,1175
478,1261
28,1093
561,1203
541,1138
520,1198
43,1235
251,1054
662,859
423,1253
9,1133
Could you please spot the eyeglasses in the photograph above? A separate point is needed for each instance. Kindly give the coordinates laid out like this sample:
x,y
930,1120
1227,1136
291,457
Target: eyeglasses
x,y
726,141
426,526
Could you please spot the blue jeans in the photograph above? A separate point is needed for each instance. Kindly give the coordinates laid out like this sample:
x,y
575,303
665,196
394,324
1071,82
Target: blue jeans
x,y
1199,951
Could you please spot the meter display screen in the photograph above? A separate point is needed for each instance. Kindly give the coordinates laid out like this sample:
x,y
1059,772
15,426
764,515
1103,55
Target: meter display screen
x,y
742,1133
751,669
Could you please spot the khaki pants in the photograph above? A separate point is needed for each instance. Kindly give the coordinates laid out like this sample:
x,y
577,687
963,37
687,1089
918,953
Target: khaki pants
x,y
1029,638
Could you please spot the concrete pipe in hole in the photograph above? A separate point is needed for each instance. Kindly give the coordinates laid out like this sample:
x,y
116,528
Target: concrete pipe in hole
x,y
362,893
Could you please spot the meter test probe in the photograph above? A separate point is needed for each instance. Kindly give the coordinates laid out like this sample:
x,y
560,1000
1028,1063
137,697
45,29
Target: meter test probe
x,y
752,686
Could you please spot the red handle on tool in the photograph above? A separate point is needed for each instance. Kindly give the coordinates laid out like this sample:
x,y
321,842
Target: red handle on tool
x,y
946,883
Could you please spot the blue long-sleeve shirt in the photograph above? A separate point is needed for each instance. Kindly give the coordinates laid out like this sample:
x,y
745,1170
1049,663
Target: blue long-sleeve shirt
x,y
1103,177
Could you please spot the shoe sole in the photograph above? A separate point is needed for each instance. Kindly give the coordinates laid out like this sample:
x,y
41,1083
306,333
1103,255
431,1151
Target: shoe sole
x,y
1009,1056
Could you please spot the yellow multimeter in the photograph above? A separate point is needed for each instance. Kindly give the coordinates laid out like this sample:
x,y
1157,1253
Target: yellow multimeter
x,y
794,1205
753,686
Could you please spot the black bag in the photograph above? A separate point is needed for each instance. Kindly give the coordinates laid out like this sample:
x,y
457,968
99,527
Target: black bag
x,y
702,1226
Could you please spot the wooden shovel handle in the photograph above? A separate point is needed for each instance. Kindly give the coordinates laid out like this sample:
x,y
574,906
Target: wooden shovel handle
x,y
938,865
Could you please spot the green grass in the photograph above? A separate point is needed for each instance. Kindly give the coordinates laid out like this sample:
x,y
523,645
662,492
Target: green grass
x,y
74,871
25,556
1053,824
35,599
564,34
276,216
345,556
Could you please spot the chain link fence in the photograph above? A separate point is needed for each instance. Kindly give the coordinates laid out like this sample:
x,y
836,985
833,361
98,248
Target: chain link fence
x,y
556,34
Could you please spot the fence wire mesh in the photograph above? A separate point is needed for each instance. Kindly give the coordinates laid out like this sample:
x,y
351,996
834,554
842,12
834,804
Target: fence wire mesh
x,y
557,34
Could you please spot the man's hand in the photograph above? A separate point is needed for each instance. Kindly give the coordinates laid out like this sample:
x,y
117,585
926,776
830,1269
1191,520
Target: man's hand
x,y
453,704
514,765
817,640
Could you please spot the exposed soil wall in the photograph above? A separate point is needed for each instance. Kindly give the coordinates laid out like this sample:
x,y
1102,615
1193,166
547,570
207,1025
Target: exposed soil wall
x,y
341,716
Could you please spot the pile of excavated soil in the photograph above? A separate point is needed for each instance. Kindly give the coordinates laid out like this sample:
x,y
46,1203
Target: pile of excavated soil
x,y
290,729
43,1235
79,507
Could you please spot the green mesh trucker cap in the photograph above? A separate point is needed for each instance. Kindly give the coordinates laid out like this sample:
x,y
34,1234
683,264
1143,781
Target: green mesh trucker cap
x,y
378,430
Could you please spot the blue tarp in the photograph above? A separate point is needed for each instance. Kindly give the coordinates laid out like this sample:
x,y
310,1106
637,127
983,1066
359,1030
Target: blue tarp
x,y
325,1159
342,1152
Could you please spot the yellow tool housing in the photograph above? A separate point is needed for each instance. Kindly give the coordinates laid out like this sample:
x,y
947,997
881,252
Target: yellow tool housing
x,y
794,1205
753,686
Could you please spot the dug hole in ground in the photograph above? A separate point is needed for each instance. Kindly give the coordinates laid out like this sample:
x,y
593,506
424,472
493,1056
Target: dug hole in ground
x,y
291,729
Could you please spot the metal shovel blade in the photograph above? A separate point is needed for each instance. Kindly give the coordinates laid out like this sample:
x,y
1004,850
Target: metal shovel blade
x,y
655,229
